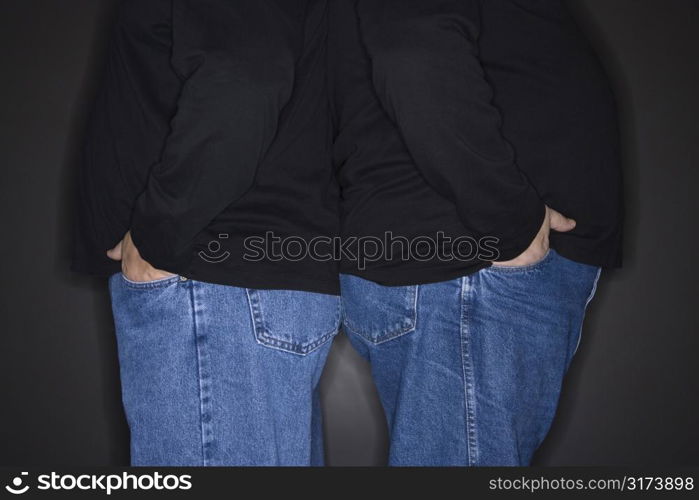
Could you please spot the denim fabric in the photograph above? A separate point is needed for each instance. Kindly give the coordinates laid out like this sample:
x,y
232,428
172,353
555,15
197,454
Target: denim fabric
x,y
469,371
219,375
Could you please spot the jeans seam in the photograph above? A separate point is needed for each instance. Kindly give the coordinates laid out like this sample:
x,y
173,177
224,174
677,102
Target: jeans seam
x,y
204,375
467,367
587,303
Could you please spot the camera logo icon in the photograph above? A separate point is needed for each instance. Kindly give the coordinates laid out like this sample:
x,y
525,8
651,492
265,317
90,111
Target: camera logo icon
x,y
214,253
16,487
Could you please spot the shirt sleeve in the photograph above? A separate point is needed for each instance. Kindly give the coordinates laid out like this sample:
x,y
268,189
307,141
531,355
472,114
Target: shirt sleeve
x,y
237,62
127,127
427,73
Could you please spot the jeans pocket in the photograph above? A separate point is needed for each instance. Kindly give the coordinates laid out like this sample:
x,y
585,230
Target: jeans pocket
x,y
378,313
145,285
294,321
519,269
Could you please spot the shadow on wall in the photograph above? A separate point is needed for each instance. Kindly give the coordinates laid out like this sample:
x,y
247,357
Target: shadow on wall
x,y
118,446
354,422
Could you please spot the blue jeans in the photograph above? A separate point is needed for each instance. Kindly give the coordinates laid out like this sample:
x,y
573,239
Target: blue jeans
x,y
219,375
469,371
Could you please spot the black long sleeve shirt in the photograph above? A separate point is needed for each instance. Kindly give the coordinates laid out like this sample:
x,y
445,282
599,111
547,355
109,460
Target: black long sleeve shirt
x,y
212,127
466,117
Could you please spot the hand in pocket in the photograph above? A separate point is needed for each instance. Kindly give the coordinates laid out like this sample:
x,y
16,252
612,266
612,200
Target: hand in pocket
x,y
553,221
133,266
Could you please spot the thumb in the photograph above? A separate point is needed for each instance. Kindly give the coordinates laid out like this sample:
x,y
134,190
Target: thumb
x,y
115,253
561,223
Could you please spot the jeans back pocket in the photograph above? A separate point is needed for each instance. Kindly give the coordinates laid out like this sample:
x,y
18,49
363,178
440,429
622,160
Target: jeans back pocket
x,y
376,312
294,321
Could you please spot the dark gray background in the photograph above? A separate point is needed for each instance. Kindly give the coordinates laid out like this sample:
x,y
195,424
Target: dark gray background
x,y
630,398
